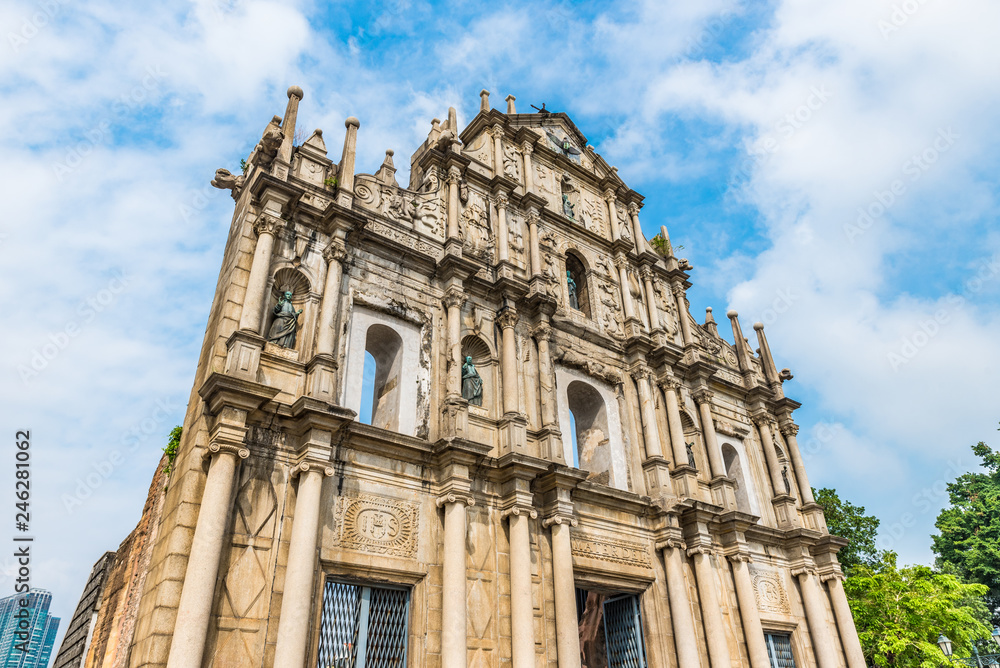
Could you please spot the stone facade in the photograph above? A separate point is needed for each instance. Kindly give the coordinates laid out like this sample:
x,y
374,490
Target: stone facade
x,y
629,492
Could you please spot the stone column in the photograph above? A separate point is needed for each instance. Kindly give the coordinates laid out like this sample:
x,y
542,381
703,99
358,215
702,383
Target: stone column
x,y
534,253
609,197
507,318
648,413
682,313
704,400
503,241
334,255
547,394
845,622
454,644
296,603
677,445
345,171
819,629
763,423
454,179
752,629
527,148
647,281
711,611
622,263
453,300
187,646
685,639
640,239
265,227
789,429
567,628
522,609
497,133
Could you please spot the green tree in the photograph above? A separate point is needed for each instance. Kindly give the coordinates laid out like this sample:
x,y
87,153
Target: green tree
x,y
899,613
849,521
970,528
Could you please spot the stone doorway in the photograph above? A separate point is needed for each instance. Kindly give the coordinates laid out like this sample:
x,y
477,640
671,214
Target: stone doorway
x,y
610,630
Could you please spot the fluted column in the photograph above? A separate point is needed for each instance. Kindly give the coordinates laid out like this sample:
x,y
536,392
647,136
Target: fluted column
x,y
567,628
507,318
647,281
187,646
752,629
763,423
622,263
647,411
704,400
682,312
677,445
609,197
527,148
453,300
685,640
640,239
789,430
711,611
454,179
522,610
503,242
845,622
533,250
819,628
454,643
335,254
497,132
265,227
296,603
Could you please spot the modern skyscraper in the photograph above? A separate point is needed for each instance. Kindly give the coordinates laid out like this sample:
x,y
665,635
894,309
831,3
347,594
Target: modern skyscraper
x,y
28,631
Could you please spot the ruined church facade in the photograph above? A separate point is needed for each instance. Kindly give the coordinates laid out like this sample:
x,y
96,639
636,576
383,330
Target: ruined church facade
x,y
469,422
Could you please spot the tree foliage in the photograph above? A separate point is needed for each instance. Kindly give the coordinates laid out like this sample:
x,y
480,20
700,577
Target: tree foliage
x,y
899,613
970,528
849,521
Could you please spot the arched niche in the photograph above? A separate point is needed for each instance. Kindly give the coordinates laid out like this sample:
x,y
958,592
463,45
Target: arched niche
x,y
577,270
591,427
738,467
385,347
291,280
488,367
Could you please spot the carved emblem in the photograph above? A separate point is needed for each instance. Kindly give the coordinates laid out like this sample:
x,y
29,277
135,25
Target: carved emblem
x,y
377,525
769,591
610,549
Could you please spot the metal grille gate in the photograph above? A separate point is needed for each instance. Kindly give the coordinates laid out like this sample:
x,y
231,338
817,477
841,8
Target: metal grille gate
x,y
779,650
363,627
623,632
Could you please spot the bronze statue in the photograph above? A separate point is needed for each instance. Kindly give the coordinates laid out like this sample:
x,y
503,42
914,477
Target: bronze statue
x,y
286,322
472,383
574,299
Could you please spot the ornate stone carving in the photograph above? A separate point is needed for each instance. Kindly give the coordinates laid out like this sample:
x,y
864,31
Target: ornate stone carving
x,y
401,237
475,227
215,448
614,550
267,224
517,511
702,395
336,251
511,161
560,519
226,180
789,429
377,525
769,591
507,317
454,296
453,497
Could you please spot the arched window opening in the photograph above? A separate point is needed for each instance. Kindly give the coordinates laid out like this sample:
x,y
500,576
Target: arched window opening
x,y
734,470
367,390
591,437
385,347
576,284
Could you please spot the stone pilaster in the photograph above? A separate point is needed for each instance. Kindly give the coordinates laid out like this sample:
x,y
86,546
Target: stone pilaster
x,y
513,425
527,148
609,197
685,640
682,313
711,610
752,629
501,201
522,622
819,628
640,239
454,179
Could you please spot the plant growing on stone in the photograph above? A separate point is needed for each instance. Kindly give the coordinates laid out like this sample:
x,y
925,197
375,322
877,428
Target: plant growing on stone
x,y
173,443
330,182
662,245
244,166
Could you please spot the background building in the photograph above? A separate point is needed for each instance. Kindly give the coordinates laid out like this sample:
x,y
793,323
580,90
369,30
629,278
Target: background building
x,y
41,629
471,423
74,646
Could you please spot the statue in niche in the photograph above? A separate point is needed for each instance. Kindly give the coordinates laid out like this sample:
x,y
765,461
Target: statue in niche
x,y
784,479
567,207
690,452
286,322
574,300
472,383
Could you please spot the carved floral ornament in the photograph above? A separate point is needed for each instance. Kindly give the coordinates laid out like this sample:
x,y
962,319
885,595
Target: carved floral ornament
x,y
267,224
336,251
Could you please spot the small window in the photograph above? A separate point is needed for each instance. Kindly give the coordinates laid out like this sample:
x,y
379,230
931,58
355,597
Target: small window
x,y
363,627
779,650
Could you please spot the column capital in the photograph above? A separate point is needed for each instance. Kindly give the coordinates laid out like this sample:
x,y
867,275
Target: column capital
x,y
804,570
633,209
454,297
762,419
671,544
739,557
453,497
517,511
507,317
528,147
642,372
501,200
560,519
621,261
454,175
496,131
542,331
215,448
336,251
832,576
266,224
677,289
703,395
304,466
646,273
609,195
700,549
533,216
671,383
789,428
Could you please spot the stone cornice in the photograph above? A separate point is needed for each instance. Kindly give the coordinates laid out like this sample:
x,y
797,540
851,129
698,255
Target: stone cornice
x,y
221,390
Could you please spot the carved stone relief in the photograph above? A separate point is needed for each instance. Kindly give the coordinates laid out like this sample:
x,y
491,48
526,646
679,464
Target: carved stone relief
x,y
377,525
511,161
611,313
769,591
614,550
475,227
422,211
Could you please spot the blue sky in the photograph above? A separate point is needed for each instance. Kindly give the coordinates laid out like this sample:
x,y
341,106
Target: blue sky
x,y
829,168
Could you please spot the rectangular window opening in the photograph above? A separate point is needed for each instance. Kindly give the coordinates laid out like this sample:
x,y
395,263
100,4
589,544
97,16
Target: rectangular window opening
x,y
363,626
610,630
779,650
